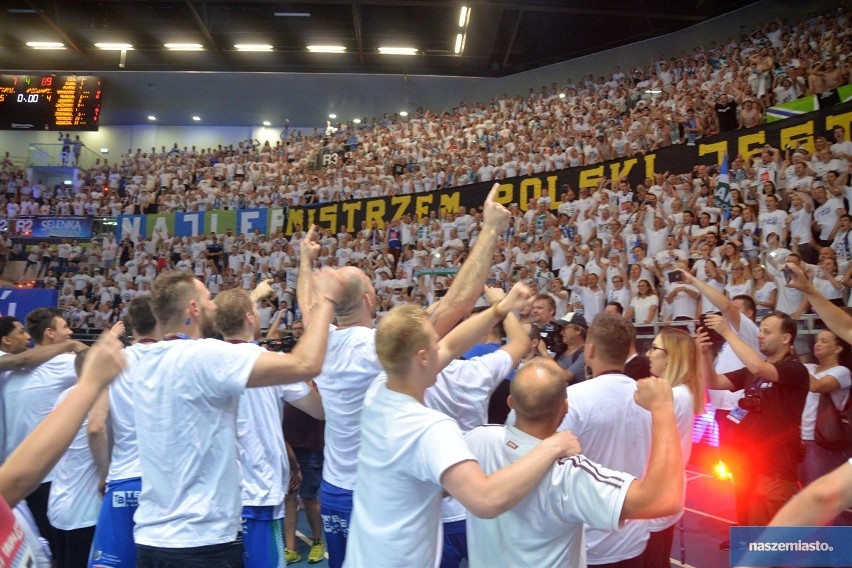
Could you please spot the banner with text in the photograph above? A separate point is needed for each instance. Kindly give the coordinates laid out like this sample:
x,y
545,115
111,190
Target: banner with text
x,y
352,214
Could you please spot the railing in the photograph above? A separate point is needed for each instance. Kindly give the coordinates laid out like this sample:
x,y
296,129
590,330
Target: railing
x,y
60,155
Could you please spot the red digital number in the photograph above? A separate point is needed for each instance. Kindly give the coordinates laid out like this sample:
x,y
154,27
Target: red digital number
x,y
46,81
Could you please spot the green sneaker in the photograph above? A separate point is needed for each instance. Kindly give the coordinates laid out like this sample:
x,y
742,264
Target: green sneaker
x,y
291,556
317,553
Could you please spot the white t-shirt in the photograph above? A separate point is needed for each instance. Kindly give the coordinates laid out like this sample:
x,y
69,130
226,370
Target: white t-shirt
x,y
260,441
405,449
771,222
186,397
75,501
615,432
642,308
124,461
551,517
839,396
30,396
684,407
350,366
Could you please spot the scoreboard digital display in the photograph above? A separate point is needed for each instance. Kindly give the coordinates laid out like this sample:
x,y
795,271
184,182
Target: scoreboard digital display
x,y
50,102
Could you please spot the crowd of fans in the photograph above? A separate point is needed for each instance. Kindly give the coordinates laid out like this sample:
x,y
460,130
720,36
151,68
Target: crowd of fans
x,y
614,242
715,88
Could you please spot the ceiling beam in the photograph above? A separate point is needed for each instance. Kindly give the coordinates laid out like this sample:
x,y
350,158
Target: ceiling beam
x,y
478,4
512,39
356,22
205,31
57,29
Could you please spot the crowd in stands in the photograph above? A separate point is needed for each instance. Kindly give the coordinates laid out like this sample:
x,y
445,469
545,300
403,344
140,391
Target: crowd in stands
x,y
613,242
715,88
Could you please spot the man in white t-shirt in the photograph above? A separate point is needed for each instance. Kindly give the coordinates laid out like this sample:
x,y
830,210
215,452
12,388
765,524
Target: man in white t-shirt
x,y
351,364
111,420
404,470
187,397
29,396
772,220
615,432
576,491
264,464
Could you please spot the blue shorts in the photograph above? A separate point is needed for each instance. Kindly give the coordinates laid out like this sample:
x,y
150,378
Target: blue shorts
x,y
336,511
263,538
310,462
113,544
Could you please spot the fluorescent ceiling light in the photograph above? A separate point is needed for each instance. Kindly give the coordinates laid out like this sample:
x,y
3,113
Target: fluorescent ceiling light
x,y
114,46
292,14
45,45
267,123
253,47
464,16
21,11
357,121
403,113
459,43
332,116
326,48
196,118
184,46
398,50
104,150
152,117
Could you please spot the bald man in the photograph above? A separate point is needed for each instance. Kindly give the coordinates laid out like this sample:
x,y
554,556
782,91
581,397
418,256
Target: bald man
x,y
576,491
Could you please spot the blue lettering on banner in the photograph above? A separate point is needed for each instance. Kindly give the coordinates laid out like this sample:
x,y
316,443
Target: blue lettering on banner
x,y
791,546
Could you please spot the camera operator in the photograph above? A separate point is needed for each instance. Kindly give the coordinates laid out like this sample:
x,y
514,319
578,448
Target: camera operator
x,y
768,417
544,316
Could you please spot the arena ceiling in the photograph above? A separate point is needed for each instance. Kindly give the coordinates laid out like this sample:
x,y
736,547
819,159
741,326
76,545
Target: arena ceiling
x,y
499,37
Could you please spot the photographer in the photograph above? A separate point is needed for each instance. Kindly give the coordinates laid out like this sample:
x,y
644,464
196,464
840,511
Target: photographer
x,y
768,418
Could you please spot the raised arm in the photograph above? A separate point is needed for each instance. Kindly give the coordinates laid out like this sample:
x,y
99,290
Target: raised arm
x,y
716,297
308,251
517,339
834,317
305,361
751,358
469,332
468,283
660,491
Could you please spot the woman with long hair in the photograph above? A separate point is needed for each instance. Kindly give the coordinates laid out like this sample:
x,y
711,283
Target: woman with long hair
x,y
738,282
829,375
673,356
764,291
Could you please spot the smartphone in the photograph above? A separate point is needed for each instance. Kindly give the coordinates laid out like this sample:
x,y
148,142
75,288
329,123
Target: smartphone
x,y
788,274
491,282
675,276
